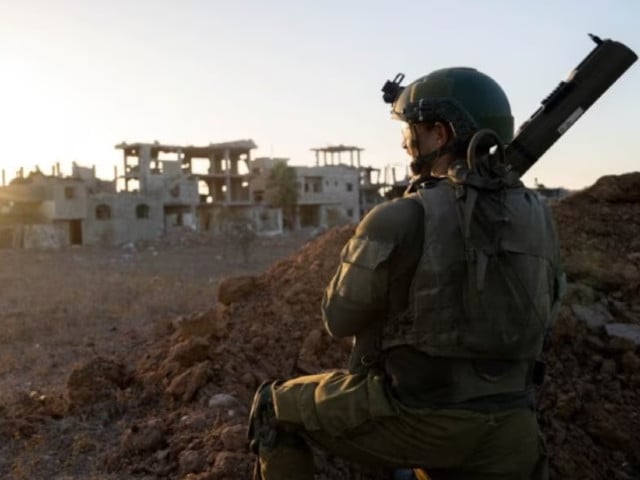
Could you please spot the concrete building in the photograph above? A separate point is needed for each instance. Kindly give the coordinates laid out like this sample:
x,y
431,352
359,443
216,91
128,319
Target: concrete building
x,y
48,211
356,195
337,190
212,188
42,211
201,187
328,195
163,187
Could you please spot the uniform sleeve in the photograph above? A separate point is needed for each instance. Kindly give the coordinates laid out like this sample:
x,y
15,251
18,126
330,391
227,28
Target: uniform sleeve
x,y
358,294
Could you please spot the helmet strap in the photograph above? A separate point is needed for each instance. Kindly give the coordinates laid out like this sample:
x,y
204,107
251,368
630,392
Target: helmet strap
x,y
423,164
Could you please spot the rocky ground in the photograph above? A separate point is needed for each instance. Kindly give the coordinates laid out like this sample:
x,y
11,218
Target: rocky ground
x,y
174,405
590,405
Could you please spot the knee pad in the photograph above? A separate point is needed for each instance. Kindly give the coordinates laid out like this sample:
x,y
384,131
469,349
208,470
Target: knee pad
x,y
264,430
262,419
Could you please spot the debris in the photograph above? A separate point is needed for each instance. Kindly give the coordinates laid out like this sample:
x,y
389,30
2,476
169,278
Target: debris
x,y
187,384
95,382
236,289
234,438
191,461
594,317
627,334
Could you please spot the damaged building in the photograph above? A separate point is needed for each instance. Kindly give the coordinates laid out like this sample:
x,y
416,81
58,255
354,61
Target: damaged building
x,y
40,211
205,188
336,191
164,187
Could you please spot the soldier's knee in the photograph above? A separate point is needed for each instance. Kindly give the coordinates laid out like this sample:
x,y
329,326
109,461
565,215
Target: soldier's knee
x,y
264,430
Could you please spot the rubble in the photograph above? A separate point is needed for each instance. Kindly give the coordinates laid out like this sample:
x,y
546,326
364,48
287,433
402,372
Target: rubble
x,y
626,335
95,382
593,317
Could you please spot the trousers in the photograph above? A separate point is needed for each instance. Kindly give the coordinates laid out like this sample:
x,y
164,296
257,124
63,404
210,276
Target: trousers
x,y
355,417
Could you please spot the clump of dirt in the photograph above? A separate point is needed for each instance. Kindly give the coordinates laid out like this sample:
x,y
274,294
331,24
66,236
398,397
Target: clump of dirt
x,y
600,232
95,382
179,408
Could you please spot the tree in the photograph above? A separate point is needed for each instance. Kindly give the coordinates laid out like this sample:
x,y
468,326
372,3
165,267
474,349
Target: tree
x,y
282,191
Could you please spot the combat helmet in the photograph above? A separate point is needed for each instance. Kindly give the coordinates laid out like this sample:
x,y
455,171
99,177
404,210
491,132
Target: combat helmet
x,y
463,97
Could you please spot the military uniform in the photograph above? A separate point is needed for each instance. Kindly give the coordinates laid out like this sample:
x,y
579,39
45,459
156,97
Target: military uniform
x,y
411,408
431,384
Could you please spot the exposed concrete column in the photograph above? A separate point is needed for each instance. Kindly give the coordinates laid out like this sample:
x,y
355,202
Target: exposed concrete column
x,y
144,162
179,156
4,178
280,221
351,157
324,157
227,158
247,160
296,218
323,217
358,158
124,166
317,158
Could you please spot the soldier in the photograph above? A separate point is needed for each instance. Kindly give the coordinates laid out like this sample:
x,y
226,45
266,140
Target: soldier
x,y
449,293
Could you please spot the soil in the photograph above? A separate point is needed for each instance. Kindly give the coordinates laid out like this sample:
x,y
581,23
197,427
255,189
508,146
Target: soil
x,y
142,362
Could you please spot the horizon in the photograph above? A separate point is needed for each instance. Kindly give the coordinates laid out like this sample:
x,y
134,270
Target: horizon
x,y
85,77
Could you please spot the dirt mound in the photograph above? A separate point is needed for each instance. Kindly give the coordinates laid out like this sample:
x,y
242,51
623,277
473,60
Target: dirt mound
x,y
590,403
600,231
95,382
611,189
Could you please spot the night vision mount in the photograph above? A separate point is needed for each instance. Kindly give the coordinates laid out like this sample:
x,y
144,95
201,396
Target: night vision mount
x,y
392,89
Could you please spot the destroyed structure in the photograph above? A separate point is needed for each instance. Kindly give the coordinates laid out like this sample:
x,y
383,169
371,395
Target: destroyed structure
x,y
164,187
368,189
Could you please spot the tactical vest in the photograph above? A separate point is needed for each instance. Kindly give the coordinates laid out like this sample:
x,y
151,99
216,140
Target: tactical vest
x,y
484,284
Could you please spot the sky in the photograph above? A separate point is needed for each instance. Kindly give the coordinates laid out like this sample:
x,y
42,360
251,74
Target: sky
x,y
78,77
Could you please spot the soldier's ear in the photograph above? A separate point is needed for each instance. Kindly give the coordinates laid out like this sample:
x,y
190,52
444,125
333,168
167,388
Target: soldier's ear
x,y
442,132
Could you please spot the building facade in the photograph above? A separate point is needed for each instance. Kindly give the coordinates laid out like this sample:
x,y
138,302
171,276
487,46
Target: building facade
x,y
163,187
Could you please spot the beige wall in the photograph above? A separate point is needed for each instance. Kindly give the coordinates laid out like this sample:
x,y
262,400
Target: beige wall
x,y
123,226
335,192
183,191
49,236
65,208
